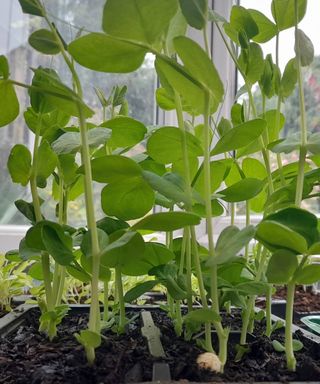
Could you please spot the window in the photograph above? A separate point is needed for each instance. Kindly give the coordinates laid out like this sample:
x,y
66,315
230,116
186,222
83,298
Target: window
x,y
70,16
290,108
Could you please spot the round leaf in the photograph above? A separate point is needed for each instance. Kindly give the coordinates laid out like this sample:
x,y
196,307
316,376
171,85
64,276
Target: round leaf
x,y
44,41
103,53
127,199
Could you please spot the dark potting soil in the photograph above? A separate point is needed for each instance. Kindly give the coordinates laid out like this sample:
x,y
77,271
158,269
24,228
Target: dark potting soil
x,y
27,357
304,301
262,363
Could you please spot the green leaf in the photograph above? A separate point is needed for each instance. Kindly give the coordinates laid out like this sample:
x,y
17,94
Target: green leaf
x,y
174,75
283,12
64,99
152,166
123,247
45,42
145,21
137,291
287,145
114,168
304,48
57,243
299,220
251,63
253,288
9,104
47,162
197,62
275,235
240,136
281,267
217,209
36,271
195,12
155,254
4,68
242,20
271,119
110,225
50,122
202,316
267,29
86,244
32,7
165,145
126,131
76,271
88,339
103,53
244,189
27,209
230,242
289,78
26,252
310,274
127,199
19,164
218,172
278,346
167,221
178,27
254,168
296,345
70,142
165,187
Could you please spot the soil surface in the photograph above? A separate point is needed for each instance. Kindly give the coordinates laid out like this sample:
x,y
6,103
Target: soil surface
x,y
305,300
262,363
27,357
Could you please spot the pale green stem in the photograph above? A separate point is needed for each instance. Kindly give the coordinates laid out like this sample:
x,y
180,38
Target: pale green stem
x,y
291,360
94,318
279,160
188,193
106,300
268,311
208,339
251,300
232,213
122,320
222,333
247,224
45,260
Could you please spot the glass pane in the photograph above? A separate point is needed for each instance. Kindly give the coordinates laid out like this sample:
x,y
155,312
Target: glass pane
x,y
290,108
71,17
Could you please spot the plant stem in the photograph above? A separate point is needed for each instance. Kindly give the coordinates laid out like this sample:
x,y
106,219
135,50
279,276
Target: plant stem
x,y
247,224
45,260
187,179
279,161
105,300
268,311
291,360
122,320
94,318
208,339
222,333
250,302
188,268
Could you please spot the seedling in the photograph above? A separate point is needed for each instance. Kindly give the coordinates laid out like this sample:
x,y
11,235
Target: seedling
x,y
193,171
